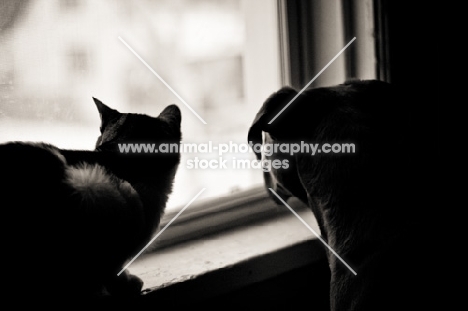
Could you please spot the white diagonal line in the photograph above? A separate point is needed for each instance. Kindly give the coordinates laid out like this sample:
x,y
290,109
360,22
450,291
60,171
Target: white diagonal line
x,y
162,80
313,231
313,79
161,231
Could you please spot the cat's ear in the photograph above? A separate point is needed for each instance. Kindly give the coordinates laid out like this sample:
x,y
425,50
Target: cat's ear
x,y
172,115
105,112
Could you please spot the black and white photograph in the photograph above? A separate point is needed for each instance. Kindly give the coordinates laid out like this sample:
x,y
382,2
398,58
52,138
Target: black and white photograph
x,y
219,154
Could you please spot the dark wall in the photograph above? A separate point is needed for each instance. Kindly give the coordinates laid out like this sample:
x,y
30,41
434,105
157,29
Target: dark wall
x,y
413,39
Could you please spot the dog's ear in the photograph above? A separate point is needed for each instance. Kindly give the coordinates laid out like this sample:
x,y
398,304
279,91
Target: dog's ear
x,y
271,107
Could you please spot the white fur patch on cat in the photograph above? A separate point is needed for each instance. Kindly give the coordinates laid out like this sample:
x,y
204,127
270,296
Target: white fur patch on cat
x,y
85,174
98,190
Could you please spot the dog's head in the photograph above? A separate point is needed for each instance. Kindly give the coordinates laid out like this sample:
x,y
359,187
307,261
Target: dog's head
x,y
347,112
284,180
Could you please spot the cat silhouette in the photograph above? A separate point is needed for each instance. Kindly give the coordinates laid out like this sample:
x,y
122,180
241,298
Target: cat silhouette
x,y
73,218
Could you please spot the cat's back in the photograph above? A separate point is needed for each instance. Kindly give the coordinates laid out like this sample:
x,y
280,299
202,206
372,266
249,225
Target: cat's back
x,y
55,215
31,173
31,193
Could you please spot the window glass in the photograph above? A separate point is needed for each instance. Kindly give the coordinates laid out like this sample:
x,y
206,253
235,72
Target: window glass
x,y
220,57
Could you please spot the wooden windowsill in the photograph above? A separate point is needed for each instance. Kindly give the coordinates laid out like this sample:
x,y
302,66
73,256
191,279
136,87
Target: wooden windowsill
x,y
220,263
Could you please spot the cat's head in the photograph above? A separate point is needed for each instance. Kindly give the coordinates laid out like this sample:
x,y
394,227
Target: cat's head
x,y
131,128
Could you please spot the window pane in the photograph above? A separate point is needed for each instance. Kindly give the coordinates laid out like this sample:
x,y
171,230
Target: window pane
x,y
220,57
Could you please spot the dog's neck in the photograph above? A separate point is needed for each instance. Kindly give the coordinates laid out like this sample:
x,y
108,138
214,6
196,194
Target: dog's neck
x,y
340,221
358,229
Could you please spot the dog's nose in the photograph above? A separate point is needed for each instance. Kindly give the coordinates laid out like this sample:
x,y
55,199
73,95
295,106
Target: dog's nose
x,y
283,192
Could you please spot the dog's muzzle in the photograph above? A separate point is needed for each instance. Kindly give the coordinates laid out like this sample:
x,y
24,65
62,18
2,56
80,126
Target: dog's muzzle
x,y
278,188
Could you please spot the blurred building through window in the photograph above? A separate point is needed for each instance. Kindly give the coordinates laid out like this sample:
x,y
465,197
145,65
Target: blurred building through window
x,y
220,56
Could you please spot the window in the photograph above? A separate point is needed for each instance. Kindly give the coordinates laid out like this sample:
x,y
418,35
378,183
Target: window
x,y
212,53
224,58
69,4
78,61
315,31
